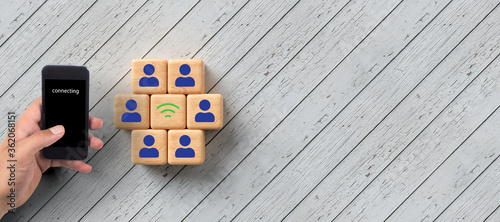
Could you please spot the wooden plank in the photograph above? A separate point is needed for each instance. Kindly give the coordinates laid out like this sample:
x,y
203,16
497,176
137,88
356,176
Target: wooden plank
x,y
89,40
303,173
51,21
248,14
494,216
239,143
479,200
106,63
452,177
189,21
421,154
226,200
14,16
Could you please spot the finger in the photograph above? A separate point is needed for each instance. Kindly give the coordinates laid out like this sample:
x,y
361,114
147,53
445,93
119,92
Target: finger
x,y
77,165
29,121
95,142
41,139
94,122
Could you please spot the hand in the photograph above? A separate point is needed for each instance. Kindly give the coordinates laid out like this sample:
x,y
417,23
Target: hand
x,y
30,165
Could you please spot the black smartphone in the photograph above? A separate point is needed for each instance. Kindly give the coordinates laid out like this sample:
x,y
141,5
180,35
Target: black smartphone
x,y
65,101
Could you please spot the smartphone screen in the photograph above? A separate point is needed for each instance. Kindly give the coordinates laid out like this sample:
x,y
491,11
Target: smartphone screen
x,y
65,101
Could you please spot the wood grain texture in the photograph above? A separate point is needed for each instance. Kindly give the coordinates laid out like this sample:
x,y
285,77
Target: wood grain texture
x,y
453,176
85,37
15,15
327,100
249,13
139,147
212,104
494,216
176,148
103,61
49,23
164,115
196,73
237,139
479,200
347,129
333,109
134,115
142,83
436,142
103,108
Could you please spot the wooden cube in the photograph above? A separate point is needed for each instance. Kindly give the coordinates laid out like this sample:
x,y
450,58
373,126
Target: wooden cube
x,y
186,147
149,76
205,111
168,111
149,147
186,76
131,111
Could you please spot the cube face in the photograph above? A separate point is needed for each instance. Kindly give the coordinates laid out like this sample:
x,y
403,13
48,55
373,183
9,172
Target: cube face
x,y
131,111
186,76
149,76
205,111
168,111
186,147
149,147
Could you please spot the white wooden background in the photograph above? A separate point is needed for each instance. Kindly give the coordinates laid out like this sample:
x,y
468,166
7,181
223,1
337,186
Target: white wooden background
x,y
334,109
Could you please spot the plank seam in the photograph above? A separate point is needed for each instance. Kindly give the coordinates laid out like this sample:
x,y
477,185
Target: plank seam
x,y
453,150
211,90
495,210
7,39
110,90
46,50
341,110
397,106
279,71
62,187
471,182
105,94
344,109
256,43
103,195
127,73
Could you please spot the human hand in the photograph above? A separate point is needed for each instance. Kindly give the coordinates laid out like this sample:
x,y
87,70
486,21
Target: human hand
x,y
29,141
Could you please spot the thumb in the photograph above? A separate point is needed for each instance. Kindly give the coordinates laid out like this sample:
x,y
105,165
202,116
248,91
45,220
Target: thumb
x,y
41,139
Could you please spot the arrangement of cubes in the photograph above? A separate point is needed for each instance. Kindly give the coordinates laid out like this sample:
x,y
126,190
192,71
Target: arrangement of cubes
x,y
168,111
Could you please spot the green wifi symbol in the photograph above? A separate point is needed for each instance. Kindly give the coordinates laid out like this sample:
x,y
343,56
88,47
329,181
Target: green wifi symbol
x,y
167,110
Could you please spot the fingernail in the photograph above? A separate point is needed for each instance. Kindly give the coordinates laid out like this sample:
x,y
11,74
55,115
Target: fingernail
x,y
57,129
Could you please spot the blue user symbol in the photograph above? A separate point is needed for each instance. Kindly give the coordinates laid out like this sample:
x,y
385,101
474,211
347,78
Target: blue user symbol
x,y
202,117
149,152
185,140
185,69
131,117
149,81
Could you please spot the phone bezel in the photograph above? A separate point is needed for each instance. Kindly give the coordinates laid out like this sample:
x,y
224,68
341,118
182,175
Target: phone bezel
x,y
59,72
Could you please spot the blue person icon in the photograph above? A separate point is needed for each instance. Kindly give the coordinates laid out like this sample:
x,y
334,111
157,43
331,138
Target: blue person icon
x,y
185,140
149,81
131,117
185,69
149,152
202,117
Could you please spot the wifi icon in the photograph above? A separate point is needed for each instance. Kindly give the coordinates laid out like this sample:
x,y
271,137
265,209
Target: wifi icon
x,y
168,105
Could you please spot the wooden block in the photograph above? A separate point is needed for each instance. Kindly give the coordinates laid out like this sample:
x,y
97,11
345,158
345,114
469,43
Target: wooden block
x,y
168,111
186,147
186,76
149,147
149,76
131,111
205,111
